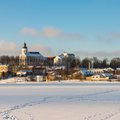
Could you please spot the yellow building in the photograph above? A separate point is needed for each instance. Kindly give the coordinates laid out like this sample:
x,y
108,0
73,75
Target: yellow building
x,y
3,70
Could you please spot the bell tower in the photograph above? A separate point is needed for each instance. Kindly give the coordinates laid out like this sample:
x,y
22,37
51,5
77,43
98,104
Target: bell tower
x,y
23,55
24,49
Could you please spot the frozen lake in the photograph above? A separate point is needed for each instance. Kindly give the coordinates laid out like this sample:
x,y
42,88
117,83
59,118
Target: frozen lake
x,y
60,101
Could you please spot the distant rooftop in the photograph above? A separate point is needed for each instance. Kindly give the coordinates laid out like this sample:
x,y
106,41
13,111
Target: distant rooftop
x,y
34,52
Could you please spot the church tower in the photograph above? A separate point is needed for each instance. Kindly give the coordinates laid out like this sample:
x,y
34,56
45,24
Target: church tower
x,y
23,55
24,49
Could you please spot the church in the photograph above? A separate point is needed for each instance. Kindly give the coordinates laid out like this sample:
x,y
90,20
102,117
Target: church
x,y
30,58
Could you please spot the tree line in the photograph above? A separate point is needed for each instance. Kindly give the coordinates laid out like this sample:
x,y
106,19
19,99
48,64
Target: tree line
x,y
9,60
97,63
94,62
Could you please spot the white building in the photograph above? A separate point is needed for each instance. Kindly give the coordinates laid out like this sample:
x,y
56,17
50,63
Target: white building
x,y
57,60
60,60
99,77
30,58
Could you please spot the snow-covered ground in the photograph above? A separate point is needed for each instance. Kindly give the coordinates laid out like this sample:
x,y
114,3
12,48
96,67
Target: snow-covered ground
x,y
60,101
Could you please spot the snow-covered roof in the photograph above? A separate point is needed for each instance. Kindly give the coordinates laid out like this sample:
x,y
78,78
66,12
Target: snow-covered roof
x,y
34,54
58,57
63,55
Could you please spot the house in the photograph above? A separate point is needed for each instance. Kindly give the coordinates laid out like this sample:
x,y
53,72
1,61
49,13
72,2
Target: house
x,y
50,60
97,70
86,72
58,60
61,59
98,77
3,70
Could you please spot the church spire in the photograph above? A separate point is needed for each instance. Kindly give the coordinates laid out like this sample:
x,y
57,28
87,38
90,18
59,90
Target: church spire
x,y
24,49
25,45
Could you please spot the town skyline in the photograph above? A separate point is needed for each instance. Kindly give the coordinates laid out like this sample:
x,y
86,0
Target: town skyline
x,y
86,28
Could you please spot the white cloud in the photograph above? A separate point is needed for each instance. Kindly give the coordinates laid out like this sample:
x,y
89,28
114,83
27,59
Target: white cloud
x,y
7,47
11,48
101,54
113,36
108,37
50,32
29,31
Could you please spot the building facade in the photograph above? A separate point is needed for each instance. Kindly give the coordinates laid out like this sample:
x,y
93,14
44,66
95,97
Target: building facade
x,y
30,58
61,59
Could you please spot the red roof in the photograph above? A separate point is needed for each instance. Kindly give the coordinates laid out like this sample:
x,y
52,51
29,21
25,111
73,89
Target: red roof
x,y
50,57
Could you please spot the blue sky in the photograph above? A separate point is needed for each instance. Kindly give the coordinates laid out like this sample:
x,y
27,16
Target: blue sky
x,y
85,27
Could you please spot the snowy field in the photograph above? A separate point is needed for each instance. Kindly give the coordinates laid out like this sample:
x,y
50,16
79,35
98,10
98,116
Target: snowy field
x,y
60,101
